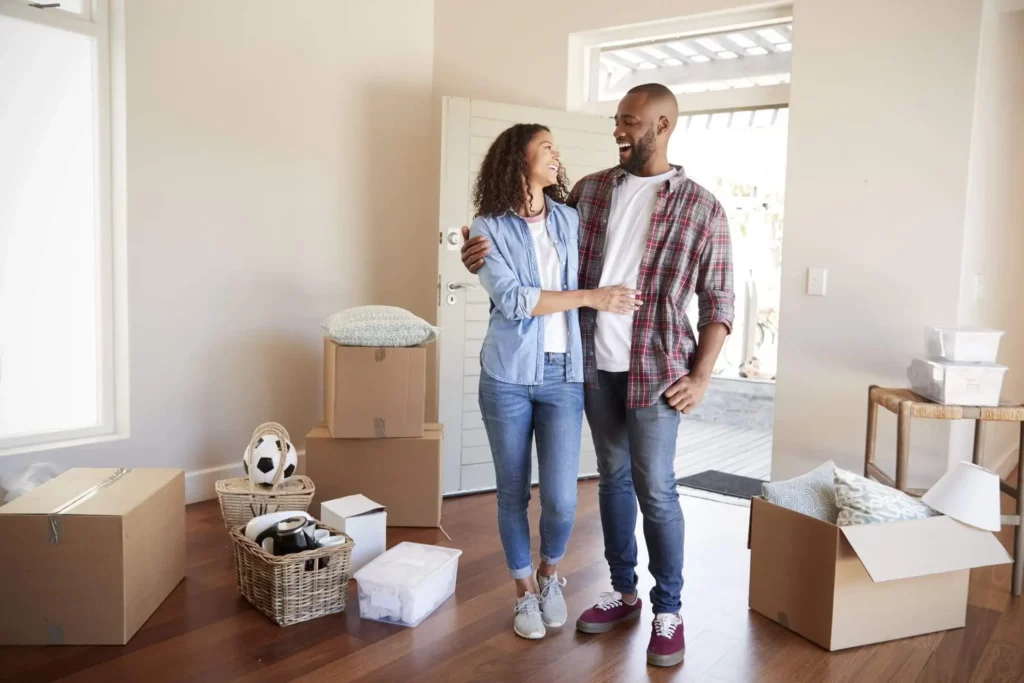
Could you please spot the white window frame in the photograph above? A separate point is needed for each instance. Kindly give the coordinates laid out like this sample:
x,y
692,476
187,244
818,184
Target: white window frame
x,y
102,20
585,51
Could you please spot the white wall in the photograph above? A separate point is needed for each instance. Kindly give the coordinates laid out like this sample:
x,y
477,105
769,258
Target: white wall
x,y
880,131
281,166
880,136
993,278
518,52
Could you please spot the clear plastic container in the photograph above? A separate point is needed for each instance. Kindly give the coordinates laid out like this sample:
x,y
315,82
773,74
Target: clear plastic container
x,y
964,344
958,384
407,583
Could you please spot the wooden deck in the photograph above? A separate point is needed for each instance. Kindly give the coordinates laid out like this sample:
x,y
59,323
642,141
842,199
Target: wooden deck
x,y
725,448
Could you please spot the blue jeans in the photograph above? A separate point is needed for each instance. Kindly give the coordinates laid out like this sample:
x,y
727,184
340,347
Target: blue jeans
x,y
635,457
512,413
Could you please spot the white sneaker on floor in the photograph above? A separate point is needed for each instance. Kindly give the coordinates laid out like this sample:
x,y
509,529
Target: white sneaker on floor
x,y
552,602
528,622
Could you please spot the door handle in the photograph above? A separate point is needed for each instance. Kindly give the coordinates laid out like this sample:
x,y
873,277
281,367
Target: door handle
x,y
452,286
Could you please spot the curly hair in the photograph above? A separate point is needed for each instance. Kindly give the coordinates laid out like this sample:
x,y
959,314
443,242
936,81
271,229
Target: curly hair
x,y
501,184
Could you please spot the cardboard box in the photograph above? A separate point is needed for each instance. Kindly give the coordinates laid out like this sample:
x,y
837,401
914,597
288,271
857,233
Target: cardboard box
x,y
842,587
90,555
404,475
363,520
374,393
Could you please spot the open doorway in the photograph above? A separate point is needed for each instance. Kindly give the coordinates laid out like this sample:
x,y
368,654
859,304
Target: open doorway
x,y
731,75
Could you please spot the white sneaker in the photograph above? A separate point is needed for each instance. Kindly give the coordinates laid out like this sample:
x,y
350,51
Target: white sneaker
x,y
528,622
552,602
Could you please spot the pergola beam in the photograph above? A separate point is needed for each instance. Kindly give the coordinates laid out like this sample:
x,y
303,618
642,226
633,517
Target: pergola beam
x,y
713,71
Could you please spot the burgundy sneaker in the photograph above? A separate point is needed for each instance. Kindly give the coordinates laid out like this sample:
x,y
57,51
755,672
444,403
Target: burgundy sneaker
x,y
610,611
668,645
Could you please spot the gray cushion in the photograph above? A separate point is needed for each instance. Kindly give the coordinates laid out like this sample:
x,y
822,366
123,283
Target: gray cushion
x,y
864,501
379,326
812,493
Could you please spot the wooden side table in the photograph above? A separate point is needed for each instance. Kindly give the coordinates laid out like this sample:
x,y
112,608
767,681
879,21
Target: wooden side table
x,y
908,405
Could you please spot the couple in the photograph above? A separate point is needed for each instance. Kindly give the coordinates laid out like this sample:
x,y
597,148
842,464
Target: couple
x,y
589,291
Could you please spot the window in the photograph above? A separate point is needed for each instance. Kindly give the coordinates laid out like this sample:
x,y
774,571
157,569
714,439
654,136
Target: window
x,y
712,62
61,334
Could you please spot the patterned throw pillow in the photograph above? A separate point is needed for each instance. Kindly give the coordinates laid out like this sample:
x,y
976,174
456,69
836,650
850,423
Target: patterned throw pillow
x,y
863,501
813,494
379,326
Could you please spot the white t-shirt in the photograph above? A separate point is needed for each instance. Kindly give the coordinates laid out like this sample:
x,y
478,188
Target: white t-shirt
x,y
629,224
556,326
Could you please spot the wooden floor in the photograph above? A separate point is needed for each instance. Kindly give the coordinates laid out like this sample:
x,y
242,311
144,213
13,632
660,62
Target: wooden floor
x,y
727,448
206,632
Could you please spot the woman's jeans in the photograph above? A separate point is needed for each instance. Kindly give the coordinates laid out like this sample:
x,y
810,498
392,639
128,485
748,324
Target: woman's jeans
x,y
512,414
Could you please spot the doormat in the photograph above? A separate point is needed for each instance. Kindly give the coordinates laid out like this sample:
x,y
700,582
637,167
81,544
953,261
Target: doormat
x,y
723,483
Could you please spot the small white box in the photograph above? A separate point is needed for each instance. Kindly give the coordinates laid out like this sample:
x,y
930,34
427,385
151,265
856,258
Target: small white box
x,y
407,583
362,519
959,384
964,344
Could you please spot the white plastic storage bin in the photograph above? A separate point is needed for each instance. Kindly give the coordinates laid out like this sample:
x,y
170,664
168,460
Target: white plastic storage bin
x,y
962,384
407,583
964,344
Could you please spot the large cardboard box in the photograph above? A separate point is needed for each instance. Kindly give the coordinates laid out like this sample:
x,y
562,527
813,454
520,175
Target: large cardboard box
x,y
374,393
404,475
90,555
842,587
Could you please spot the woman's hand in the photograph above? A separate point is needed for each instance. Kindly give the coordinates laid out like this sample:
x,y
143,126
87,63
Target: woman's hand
x,y
616,299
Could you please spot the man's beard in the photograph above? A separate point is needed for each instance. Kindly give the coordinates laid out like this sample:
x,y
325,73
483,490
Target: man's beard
x,y
642,151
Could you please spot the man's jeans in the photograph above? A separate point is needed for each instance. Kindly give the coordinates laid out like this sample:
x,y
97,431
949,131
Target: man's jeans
x,y
636,457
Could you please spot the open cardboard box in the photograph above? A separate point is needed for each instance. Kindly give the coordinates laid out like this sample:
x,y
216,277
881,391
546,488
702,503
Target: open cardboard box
x,y
842,587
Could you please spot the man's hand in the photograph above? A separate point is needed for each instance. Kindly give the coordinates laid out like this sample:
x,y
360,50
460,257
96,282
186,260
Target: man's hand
x,y
473,251
686,394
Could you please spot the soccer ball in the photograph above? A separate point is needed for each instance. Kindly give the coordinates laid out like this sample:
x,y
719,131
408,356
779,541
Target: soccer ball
x,y
266,459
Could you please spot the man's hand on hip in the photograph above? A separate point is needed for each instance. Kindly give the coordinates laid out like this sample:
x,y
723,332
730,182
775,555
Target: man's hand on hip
x,y
473,251
686,393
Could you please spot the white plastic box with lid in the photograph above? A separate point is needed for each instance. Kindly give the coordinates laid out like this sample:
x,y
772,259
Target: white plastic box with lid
x,y
407,583
964,344
964,384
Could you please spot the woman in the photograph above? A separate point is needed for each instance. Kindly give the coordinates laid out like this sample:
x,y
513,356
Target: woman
x,y
532,357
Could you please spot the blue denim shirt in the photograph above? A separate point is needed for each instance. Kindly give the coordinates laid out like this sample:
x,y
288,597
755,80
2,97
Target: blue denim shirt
x,y
513,349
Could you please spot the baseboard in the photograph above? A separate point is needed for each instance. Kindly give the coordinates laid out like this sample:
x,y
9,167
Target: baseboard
x,y
200,485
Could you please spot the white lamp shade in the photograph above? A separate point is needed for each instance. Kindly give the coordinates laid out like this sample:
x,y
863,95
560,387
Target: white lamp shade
x,y
969,494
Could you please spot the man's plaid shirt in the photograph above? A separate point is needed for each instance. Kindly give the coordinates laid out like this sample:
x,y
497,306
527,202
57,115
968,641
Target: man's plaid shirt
x,y
688,252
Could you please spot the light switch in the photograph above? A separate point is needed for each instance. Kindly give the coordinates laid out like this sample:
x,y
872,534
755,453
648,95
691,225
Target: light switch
x,y
817,281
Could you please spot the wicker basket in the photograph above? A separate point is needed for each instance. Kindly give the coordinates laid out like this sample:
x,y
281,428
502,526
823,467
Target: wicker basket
x,y
242,499
297,587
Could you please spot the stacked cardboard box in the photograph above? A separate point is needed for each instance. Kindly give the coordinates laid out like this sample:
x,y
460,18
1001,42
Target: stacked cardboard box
x,y
373,440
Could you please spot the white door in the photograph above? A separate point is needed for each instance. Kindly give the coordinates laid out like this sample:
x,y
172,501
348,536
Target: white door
x,y
468,128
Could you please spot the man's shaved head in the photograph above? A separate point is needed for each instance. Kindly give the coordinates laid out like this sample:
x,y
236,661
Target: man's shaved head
x,y
644,122
662,100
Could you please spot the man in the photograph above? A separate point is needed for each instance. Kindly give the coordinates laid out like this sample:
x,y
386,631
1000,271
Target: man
x,y
645,225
